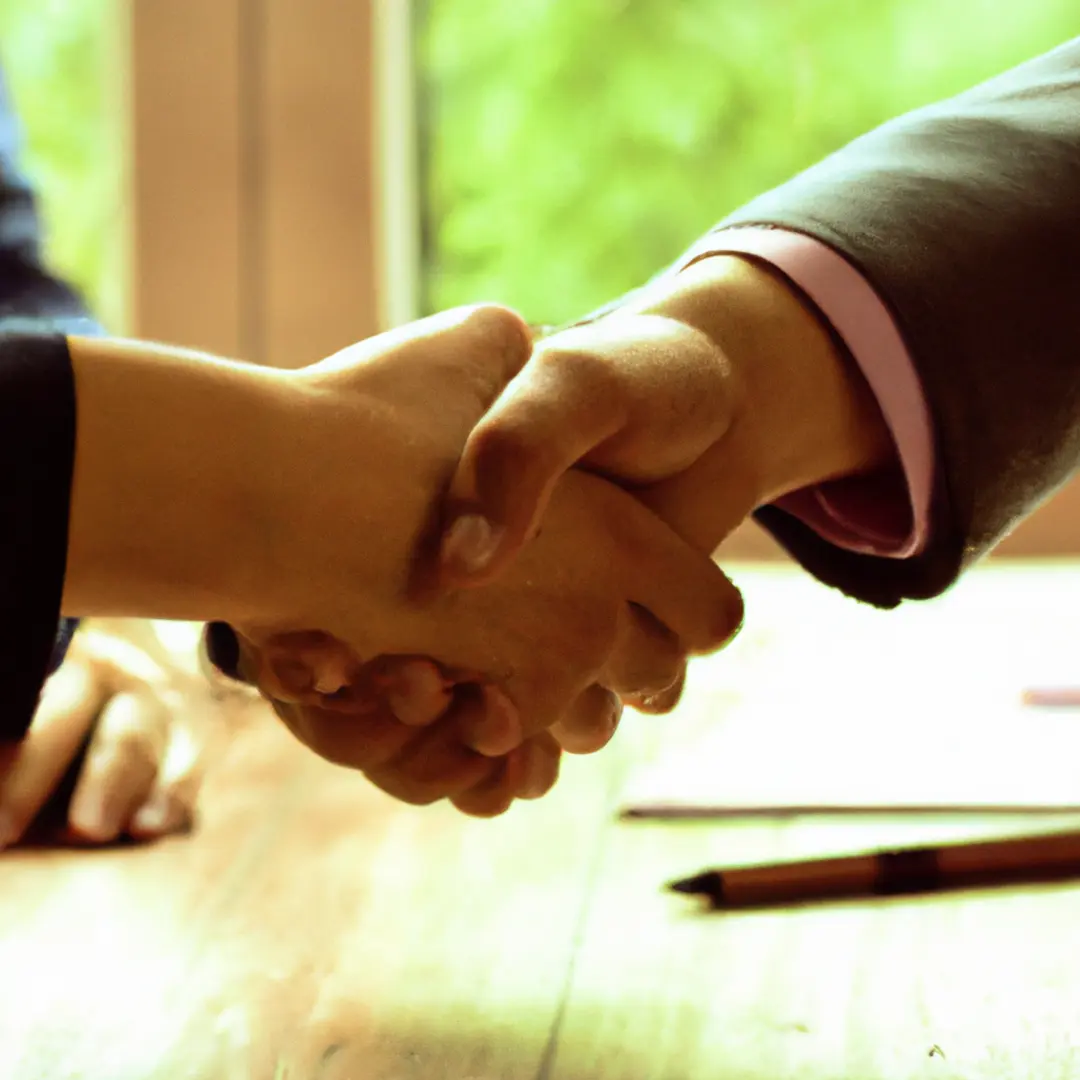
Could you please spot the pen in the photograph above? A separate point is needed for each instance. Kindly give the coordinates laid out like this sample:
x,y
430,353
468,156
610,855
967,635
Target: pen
x,y
1047,857
1053,697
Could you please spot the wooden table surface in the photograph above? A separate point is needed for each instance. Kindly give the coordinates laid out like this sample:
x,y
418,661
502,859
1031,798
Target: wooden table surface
x,y
311,928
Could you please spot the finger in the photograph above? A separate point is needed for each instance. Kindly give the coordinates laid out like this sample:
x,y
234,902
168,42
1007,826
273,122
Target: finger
x,y
678,500
494,728
635,396
590,722
559,408
366,738
127,749
543,755
414,688
647,658
681,587
494,795
658,703
171,805
436,763
70,701
525,773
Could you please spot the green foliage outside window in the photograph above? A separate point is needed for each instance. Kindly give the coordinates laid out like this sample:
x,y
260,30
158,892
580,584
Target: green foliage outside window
x,y
576,146
572,147
60,60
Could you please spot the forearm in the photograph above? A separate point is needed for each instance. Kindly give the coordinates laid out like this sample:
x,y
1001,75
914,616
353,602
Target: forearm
x,y
806,414
963,218
165,503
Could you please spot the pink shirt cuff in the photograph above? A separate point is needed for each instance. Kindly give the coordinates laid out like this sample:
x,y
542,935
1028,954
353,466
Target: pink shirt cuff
x,y
887,514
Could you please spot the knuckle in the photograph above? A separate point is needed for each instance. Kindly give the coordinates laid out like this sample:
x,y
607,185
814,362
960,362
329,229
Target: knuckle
x,y
592,375
505,332
430,773
435,778
369,741
345,753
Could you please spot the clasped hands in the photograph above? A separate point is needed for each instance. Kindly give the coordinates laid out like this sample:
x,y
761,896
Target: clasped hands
x,y
515,601
436,690
539,524
453,554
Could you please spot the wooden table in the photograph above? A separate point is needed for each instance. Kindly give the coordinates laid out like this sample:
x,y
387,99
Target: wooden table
x,y
311,928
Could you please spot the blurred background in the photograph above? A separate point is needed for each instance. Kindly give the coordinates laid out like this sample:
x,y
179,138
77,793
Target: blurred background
x,y
274,178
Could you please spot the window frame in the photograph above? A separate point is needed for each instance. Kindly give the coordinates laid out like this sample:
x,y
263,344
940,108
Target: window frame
x,y
272,174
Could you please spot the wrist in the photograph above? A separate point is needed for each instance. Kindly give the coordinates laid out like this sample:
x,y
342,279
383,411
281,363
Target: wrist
x,y
168,505
803,412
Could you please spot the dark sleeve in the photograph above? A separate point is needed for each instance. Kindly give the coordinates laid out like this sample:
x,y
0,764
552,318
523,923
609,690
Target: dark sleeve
x,y
37,443
965,218
37,451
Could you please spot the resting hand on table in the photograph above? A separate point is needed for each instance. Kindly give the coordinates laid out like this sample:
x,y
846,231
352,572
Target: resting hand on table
x,y
605,601
142,772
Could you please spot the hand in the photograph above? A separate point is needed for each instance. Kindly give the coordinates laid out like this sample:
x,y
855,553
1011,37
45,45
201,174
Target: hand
x,y
417,730
712,392
605,601
143,769
408,723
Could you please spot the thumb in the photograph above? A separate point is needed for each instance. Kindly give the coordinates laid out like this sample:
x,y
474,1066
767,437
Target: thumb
x,y
551,415
477,347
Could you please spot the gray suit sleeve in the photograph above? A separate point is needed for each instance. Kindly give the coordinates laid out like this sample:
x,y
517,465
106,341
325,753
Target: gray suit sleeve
x,y
965,217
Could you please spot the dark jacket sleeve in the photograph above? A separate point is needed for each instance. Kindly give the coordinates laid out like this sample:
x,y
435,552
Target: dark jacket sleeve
x,y
37,447
37,444
965,217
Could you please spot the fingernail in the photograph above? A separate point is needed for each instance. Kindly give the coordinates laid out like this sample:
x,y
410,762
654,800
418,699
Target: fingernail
x,y
499,731
153,815
419,694
470,543
413,712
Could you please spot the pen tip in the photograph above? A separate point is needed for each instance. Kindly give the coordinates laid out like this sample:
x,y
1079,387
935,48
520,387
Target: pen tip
x,y
709,883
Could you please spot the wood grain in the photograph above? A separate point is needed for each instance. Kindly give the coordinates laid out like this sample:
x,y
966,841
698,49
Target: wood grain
x,y
311,928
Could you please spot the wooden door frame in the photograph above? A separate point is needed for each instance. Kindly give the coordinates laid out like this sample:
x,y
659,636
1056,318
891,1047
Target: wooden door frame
x,y
272,174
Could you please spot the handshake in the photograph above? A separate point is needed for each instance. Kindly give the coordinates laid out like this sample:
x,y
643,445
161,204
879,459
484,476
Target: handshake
x,y
448,553
480,592
481,548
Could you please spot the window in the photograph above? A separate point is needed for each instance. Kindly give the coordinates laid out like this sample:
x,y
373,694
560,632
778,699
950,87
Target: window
x,y
571,150
62,63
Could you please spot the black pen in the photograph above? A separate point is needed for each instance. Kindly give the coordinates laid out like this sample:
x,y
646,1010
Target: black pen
x,y
1018,860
